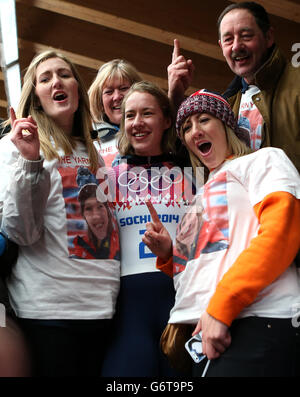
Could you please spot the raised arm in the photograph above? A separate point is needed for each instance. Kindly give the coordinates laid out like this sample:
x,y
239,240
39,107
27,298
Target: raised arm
x,y
25,184
180,74
24,135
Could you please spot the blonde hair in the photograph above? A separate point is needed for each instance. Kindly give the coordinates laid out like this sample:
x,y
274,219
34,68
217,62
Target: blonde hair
x,y
47,128
169,136
236,147
118,68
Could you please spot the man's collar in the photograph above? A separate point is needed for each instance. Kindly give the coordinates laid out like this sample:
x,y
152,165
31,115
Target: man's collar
x,y
245,86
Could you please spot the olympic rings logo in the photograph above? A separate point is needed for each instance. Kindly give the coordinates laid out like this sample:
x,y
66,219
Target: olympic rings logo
x,y
139,179
138,182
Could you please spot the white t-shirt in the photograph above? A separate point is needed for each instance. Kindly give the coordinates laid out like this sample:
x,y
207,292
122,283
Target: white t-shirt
x,y
108,142
48,282
135,184
225,220
108,150
250,117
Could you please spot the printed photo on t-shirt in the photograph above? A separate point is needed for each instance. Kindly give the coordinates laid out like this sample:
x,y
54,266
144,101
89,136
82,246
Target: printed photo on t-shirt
x,y
250,117
91,227
205,227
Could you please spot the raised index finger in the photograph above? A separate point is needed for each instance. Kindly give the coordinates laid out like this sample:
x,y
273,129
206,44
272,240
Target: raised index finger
x,y
153,212
12,115
176,50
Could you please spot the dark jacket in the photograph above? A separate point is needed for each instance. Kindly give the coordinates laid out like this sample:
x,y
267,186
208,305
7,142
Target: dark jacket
x,y
278,102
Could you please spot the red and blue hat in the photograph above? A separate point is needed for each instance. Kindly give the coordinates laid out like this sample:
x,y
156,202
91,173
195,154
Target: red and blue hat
x,y
204,101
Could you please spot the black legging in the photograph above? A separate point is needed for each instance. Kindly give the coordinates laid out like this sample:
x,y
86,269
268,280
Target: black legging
x,y
66,347
143,308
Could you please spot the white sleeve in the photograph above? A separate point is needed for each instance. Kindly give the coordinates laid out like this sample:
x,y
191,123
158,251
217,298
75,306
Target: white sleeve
x,y
271,171
24,193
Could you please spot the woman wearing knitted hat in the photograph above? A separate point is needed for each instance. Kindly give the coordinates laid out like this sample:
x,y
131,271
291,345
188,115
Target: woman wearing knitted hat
x,y
237,283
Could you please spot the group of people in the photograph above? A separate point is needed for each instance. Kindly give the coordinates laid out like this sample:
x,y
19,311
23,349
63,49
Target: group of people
x,y
112,240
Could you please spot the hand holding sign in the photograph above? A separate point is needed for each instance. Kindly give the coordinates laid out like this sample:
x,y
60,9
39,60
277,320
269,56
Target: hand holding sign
x,y
25,136
180,74
156,236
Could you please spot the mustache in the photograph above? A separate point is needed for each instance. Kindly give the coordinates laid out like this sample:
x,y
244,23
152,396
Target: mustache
x,y
238,54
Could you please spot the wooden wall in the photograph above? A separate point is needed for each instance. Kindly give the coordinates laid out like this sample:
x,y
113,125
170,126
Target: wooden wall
x,y
92,32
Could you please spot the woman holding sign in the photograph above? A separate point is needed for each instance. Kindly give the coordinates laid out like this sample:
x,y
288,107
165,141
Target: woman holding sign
x,y
63,304
237,281
147,170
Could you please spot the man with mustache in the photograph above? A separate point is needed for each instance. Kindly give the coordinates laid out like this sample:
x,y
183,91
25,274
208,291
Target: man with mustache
x,y
266,89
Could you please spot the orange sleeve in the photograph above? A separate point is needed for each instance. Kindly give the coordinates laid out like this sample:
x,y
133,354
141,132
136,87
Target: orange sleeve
x,y
165,267
269,254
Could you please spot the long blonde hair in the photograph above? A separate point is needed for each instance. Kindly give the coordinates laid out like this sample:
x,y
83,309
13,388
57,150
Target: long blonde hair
x,y
47,128
169,136
118,68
